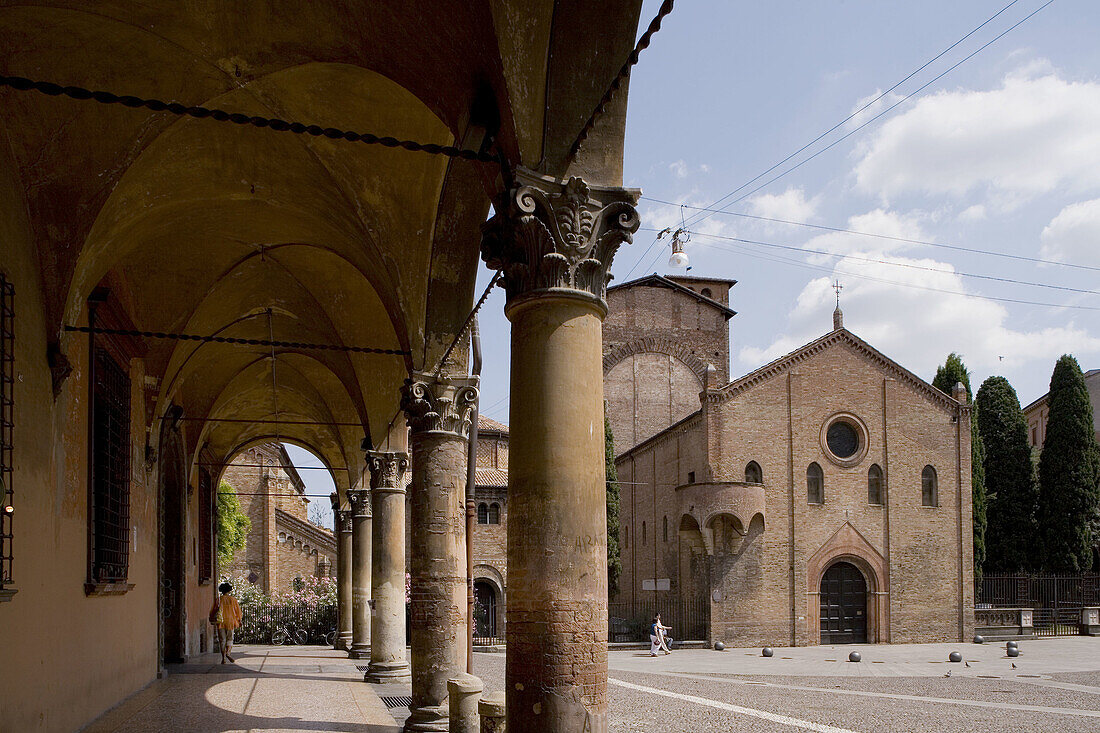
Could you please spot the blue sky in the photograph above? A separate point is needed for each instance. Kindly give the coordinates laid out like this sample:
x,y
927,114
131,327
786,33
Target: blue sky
x,y
1000,154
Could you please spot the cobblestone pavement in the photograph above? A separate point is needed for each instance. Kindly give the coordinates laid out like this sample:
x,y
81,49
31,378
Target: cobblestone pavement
x,y
1054,687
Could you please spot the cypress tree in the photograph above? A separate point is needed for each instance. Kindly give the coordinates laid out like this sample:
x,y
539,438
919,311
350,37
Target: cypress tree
x,y
951,373
614,560
1069,468
1009,479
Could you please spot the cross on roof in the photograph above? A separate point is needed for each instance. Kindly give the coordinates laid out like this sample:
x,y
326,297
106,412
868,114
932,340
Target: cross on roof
x,y
837,287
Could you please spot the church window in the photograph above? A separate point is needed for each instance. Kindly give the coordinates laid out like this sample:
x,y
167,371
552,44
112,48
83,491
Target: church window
x,y
929,487
494,513
691,477
706,293
626,536
815,484
844,439
483,513
664,531
874,484
643,533
109,522
7,424
753,473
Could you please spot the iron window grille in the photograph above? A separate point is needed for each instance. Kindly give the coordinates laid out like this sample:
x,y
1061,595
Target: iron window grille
x,y
7,424
110,515
206,527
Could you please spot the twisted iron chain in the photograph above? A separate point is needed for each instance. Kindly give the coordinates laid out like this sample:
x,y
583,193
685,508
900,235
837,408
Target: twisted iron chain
x,y
232,340
623,75
55,90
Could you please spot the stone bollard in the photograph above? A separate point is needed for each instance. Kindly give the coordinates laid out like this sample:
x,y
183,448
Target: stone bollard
x,y
491,709
463,693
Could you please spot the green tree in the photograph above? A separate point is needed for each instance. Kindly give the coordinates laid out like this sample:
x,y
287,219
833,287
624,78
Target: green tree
x,y
951,373
1009,478
233,525
1069,468
614,559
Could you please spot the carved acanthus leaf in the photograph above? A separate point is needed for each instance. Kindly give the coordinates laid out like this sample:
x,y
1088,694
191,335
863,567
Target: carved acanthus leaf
x,y
387,469
439,404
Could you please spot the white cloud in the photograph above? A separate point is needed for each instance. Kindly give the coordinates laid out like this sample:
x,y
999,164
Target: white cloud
x,y
1028,137
879,221
791,205
919,327
874,106
1074,235
679,169
973,213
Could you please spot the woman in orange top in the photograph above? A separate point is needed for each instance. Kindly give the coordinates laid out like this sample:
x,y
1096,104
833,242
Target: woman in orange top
x,y
226,616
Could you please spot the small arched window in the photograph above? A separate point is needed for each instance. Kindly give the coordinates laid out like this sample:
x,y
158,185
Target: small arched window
x,y
664,530
815,484
483,513
643,533
706,293
626,536
929,487
753,473
494,513
874,484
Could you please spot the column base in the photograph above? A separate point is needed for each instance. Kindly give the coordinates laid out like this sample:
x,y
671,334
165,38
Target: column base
x,y
381,673
428,718
359,651
343,641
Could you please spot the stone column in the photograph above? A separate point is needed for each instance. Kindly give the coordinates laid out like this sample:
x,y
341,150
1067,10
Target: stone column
x,y
438,411
387,630
554,242
342,521
360,573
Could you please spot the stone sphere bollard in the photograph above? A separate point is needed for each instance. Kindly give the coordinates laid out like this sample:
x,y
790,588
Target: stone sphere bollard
x,y
491,710
719,646
766,651
855,657
979,639
1012,651
954,657
1012,645
463,693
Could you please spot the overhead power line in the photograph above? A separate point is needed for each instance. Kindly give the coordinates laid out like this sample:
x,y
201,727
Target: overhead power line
x,y
906,240
904,99
156,105
861,276
906,265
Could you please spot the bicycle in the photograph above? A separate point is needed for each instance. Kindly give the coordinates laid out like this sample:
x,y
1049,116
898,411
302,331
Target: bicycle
x,y
284,634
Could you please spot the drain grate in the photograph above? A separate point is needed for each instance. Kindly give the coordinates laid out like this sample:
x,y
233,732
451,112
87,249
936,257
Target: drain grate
x,y
1035,676
989,676
362,667
401,701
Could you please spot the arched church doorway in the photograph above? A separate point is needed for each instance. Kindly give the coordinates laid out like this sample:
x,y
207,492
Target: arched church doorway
x,y
485,610
843,605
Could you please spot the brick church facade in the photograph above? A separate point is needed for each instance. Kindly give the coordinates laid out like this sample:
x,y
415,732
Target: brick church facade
x,y
282,546
823,498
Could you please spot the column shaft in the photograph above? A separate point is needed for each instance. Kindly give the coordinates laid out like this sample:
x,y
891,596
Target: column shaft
x,y
439,416
388,662
360,573
343,579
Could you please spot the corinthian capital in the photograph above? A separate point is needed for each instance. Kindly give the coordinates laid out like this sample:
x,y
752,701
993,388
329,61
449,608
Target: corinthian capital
x,y
360,502
439,404
343,520
387,470
549,235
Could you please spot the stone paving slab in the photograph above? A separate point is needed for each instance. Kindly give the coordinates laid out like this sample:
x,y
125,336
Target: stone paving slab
x,y
269,689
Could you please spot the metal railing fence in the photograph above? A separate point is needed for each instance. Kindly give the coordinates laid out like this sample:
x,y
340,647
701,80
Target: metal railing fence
x,y
259,624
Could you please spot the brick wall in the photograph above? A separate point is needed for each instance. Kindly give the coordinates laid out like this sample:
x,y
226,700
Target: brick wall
x,y
922,554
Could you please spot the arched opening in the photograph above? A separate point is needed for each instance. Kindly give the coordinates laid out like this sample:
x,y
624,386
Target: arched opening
x,y
482,513
706,293
815,484
485,610
929,487
843,595
753,473
874,484
494,513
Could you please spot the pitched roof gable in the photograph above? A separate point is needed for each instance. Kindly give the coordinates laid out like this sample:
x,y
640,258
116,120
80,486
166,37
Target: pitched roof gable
x,y
834,338
659,281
